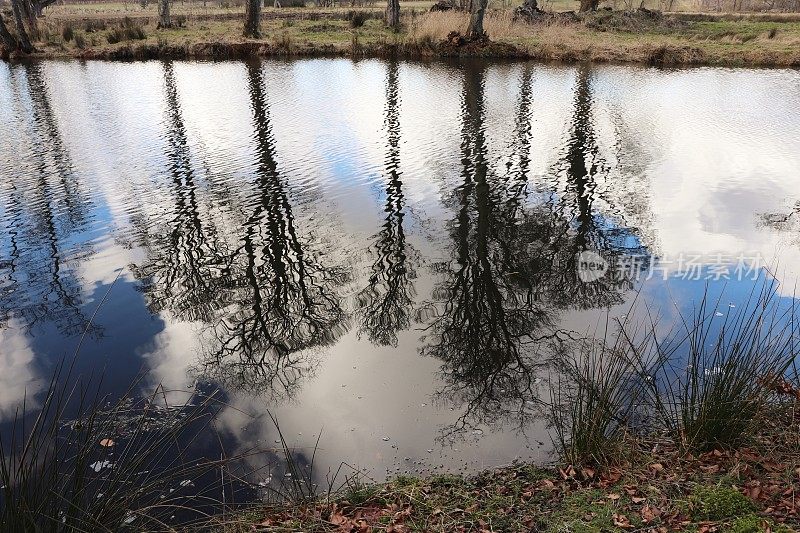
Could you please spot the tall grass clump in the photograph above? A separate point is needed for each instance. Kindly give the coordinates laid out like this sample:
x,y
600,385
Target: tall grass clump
x,y
82,463
357,18
128,30
67,33
115,36
593,399
95,25
704,381
706,378
434,27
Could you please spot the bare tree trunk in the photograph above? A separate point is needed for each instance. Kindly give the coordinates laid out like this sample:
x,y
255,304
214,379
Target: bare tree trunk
x,y
6,38
164,20
393,14
29,10
475,30
22,34
252,18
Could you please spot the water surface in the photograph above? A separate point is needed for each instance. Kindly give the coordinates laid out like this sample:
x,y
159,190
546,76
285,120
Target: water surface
x,y
379,251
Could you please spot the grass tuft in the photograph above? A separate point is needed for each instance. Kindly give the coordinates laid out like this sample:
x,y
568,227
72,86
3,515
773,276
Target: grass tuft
x,y
591,401
719,503
83,463
706,379
357,18
67,33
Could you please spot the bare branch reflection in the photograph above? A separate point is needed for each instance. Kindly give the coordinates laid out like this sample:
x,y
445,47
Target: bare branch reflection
x,y
184,271
385,304
47,205
516,264
485,308
286,301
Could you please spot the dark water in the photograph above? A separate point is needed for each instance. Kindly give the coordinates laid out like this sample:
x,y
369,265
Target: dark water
x,y
377,251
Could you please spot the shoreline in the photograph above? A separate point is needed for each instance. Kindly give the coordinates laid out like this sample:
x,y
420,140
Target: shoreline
x,y
610,37
664,55
651,485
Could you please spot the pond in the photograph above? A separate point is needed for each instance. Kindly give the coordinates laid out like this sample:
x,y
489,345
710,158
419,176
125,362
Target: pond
x,y
376,251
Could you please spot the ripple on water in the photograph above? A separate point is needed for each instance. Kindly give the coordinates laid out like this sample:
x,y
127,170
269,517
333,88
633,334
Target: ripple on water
x,y
288,227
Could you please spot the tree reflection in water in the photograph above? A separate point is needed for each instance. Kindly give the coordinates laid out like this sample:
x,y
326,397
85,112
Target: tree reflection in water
x,y
286,299
786,221
516,265
46,206
385,305
574,226
267,302
484,307
184,271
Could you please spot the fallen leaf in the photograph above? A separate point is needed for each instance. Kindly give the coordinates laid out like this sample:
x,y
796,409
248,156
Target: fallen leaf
x,y
338,519
612,477
649,513
620,520
753,492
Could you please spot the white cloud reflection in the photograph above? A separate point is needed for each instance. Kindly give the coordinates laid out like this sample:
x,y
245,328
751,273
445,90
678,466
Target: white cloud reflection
x,y
19,377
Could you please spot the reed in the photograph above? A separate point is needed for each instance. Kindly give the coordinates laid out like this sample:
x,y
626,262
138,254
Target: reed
x,y
84,463
592,399
706,378
704,381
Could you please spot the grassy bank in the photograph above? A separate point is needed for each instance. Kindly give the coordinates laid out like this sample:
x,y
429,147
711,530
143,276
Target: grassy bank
x,y
657,487
680,39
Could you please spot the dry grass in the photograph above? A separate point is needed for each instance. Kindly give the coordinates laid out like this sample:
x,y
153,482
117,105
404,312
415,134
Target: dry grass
x,y
435,26
719,42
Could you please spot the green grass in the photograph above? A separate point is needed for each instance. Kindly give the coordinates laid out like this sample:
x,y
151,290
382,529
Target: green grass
x,y
719,503
586,512
752,523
